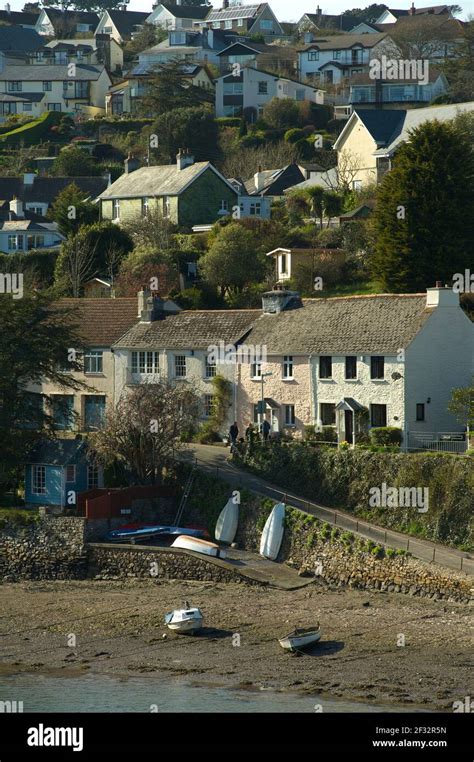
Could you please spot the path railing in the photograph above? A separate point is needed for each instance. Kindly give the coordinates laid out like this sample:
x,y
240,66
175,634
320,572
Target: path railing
x,y
422,549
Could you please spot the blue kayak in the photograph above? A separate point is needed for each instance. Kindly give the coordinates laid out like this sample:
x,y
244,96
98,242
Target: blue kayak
x,y
122,535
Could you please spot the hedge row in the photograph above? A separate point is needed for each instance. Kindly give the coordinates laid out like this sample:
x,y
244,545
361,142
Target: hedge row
x,y
32,132
343,479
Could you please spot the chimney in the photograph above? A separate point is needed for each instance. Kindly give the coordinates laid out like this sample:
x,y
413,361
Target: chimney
x,y
131,164
29,178
184,158
225,4
411,11
16,206
318,11
259,179
8,8
442,296
279,299
150,305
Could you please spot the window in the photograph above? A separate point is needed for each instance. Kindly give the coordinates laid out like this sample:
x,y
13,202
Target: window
x,y
288,366
62,411
356,184
263,88
255,208
54,107
224,205
327,413
378,415
116,209
210,368
256,370
93,361
228,25
209,402
39,480
233,88
180,366
240,22
283,264
325,366
420,411
376,367
266,24
351,366
107,30
94,412
27,107
92,476
145,362
166,206
313,55
14,87
70,473
255,413
35,242
289,415
15,242
336,54
145,206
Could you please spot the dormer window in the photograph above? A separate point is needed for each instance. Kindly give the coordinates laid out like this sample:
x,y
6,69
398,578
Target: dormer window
x,y
313,55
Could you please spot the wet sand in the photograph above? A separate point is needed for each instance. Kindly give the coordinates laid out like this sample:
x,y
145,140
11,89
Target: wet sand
x,y
70,628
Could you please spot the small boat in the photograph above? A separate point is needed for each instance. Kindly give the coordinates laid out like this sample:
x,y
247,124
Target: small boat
x,y
137,534
184,620
300,638
198,546
227,522
272,534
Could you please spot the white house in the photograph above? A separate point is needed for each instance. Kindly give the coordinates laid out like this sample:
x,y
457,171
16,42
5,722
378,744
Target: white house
x,y
23,235
244,19
53,22
177,16
120,25
330,59
391,15
253,88
35,89
175,346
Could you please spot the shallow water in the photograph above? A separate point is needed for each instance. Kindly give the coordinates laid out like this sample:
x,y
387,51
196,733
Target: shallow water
x,y
99,693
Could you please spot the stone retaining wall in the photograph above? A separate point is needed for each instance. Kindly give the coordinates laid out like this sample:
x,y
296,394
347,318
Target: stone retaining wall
x,y
161,563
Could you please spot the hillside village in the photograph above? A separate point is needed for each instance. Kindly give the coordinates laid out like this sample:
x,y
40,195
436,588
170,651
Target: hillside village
x,y
237,257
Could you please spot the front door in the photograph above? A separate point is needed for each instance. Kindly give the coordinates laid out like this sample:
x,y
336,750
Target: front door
x,y
348,425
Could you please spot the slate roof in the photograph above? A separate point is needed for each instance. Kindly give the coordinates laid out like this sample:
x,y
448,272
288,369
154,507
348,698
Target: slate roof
x,y
382,123
126,21
81,17
164,180
343,41
187,11
17,39
429,9
31,226
276,181
379,324
100,322
24,97
45,189
329,21
195,329
52,72
19,17
58,452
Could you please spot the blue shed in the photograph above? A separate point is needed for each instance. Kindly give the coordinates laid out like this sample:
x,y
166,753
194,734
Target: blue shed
x,y
57,470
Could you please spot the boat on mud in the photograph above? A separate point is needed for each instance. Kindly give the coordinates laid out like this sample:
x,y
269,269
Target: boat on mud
x,y
184,620
300,638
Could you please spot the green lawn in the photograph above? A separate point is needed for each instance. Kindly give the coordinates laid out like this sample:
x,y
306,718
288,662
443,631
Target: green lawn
x,y
349,289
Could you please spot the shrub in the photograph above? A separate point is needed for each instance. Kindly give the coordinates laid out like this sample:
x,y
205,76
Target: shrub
x,y
377,551
390,552
334,533
293,135
228,121
31,132
386,435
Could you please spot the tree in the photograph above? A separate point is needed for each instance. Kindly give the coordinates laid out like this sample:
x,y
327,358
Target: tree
x,y
423,223
153,231
459,68
231,262
169,88
193,128
315,195
75,264
34,343
424,36
281,113
462,406
73,162
71,209
333,205
107,240
142,432
369,14
148,36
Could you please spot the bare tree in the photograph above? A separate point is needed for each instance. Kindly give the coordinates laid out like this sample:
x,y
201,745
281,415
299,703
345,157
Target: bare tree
x,y
78,261
424,37
142,432
151,230
245,162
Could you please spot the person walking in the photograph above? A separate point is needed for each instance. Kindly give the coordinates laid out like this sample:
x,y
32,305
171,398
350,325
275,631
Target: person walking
x,y
265,430
234,433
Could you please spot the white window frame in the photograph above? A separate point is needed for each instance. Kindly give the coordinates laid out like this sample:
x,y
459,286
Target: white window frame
x,y
287,369
38,480
182,366
256,370
290,417
93,476
209,403
210,369
95,359
116,209
145,363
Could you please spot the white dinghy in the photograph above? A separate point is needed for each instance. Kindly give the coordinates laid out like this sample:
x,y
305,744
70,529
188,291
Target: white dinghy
x,y
227,522
184,620
198,546
272,534
300,638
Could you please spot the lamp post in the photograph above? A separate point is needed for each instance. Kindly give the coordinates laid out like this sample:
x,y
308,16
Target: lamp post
x,y
262,402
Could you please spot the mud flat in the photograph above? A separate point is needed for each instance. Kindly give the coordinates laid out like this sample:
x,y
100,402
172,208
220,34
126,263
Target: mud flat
x,y
116,627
